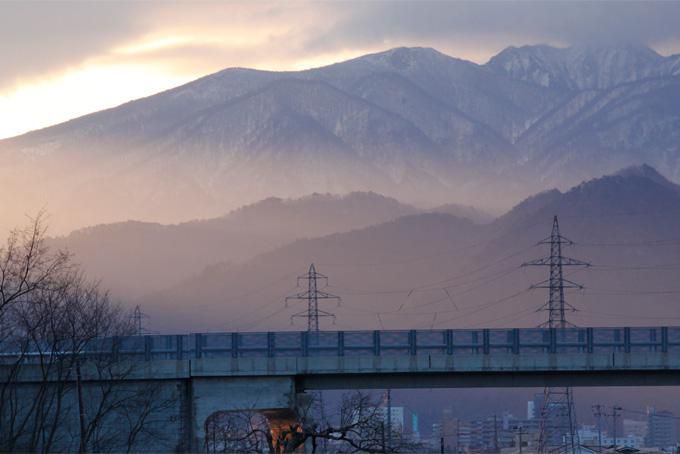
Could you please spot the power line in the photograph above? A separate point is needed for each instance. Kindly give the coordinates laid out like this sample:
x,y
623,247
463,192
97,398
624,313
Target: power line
x,y
450,296
474,271
484,280
410,260
517,315
439,283
625,316
649,243
646,413
597,291
262,319
254,291
239,319
661,267
484,306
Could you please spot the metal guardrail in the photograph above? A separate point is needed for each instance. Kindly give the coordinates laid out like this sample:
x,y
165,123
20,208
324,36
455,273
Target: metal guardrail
x,y
380,343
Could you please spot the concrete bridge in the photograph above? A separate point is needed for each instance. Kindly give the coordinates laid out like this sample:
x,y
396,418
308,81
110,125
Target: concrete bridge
x,y
267,371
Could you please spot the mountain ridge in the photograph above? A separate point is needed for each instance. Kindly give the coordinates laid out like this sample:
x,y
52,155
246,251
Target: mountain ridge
x,y
410,269
582,67
120,253
412,123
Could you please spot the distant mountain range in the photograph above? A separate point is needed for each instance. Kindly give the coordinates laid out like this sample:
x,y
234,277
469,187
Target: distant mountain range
x,y
410,123
437,270
133,258
121,253
583,68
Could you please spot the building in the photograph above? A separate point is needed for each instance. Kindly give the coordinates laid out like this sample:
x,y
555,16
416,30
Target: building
x,y
453,433
415,427
396,417
532,411
590,437
492,433
555,421
635,427
662,429
523,443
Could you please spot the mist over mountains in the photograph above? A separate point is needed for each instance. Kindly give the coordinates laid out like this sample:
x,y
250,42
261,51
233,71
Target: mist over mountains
x,y
436,270
134,258
121,253
410,123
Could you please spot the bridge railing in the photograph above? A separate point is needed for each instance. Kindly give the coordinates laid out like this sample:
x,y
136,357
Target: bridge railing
x,y
385,343
401,342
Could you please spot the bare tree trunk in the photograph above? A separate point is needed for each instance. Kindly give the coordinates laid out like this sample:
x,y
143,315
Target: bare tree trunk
x,y
82,447
49,314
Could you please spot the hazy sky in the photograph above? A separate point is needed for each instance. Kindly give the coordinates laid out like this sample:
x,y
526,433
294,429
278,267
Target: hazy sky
x,y
64,59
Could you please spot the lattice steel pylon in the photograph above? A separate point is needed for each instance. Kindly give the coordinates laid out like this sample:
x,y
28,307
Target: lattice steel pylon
x,y
312,296
312,314
558,431
137,320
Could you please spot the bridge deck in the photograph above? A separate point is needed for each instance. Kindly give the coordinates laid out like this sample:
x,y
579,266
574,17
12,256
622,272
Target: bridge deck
x,y
385,343
402,342
646,356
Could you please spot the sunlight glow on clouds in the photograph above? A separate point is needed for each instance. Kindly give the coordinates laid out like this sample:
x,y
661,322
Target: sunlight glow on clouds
x,y
153,45
80,91
104,84
65,59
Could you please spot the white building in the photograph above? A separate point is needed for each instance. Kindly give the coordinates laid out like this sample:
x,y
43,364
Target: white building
x,y
396,419
589,436
635,427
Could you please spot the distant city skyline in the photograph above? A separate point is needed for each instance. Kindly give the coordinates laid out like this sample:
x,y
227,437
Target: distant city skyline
x,y
499,430
66,59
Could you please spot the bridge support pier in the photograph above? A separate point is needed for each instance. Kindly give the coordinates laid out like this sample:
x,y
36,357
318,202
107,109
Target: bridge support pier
x,y
269,395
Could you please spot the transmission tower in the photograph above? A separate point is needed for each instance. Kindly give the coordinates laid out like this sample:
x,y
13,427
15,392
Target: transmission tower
x,y
137,320
312,296
556,283
312,314
558,432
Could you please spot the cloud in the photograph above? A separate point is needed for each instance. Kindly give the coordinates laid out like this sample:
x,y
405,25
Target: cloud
x,y
476,27
39,38
43,38
52,51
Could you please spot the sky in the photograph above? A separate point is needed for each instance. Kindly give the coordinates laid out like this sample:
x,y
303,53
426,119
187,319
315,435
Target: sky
x,y
64,59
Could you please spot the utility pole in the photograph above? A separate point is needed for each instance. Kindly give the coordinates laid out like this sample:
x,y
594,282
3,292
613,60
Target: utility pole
x,y
597,411
382,436
520,431
82,446
495,434
615,414
389,418
557,399
312,296
457,435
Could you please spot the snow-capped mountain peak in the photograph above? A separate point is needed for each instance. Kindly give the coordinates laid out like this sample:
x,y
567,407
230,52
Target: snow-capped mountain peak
x,y
412,123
